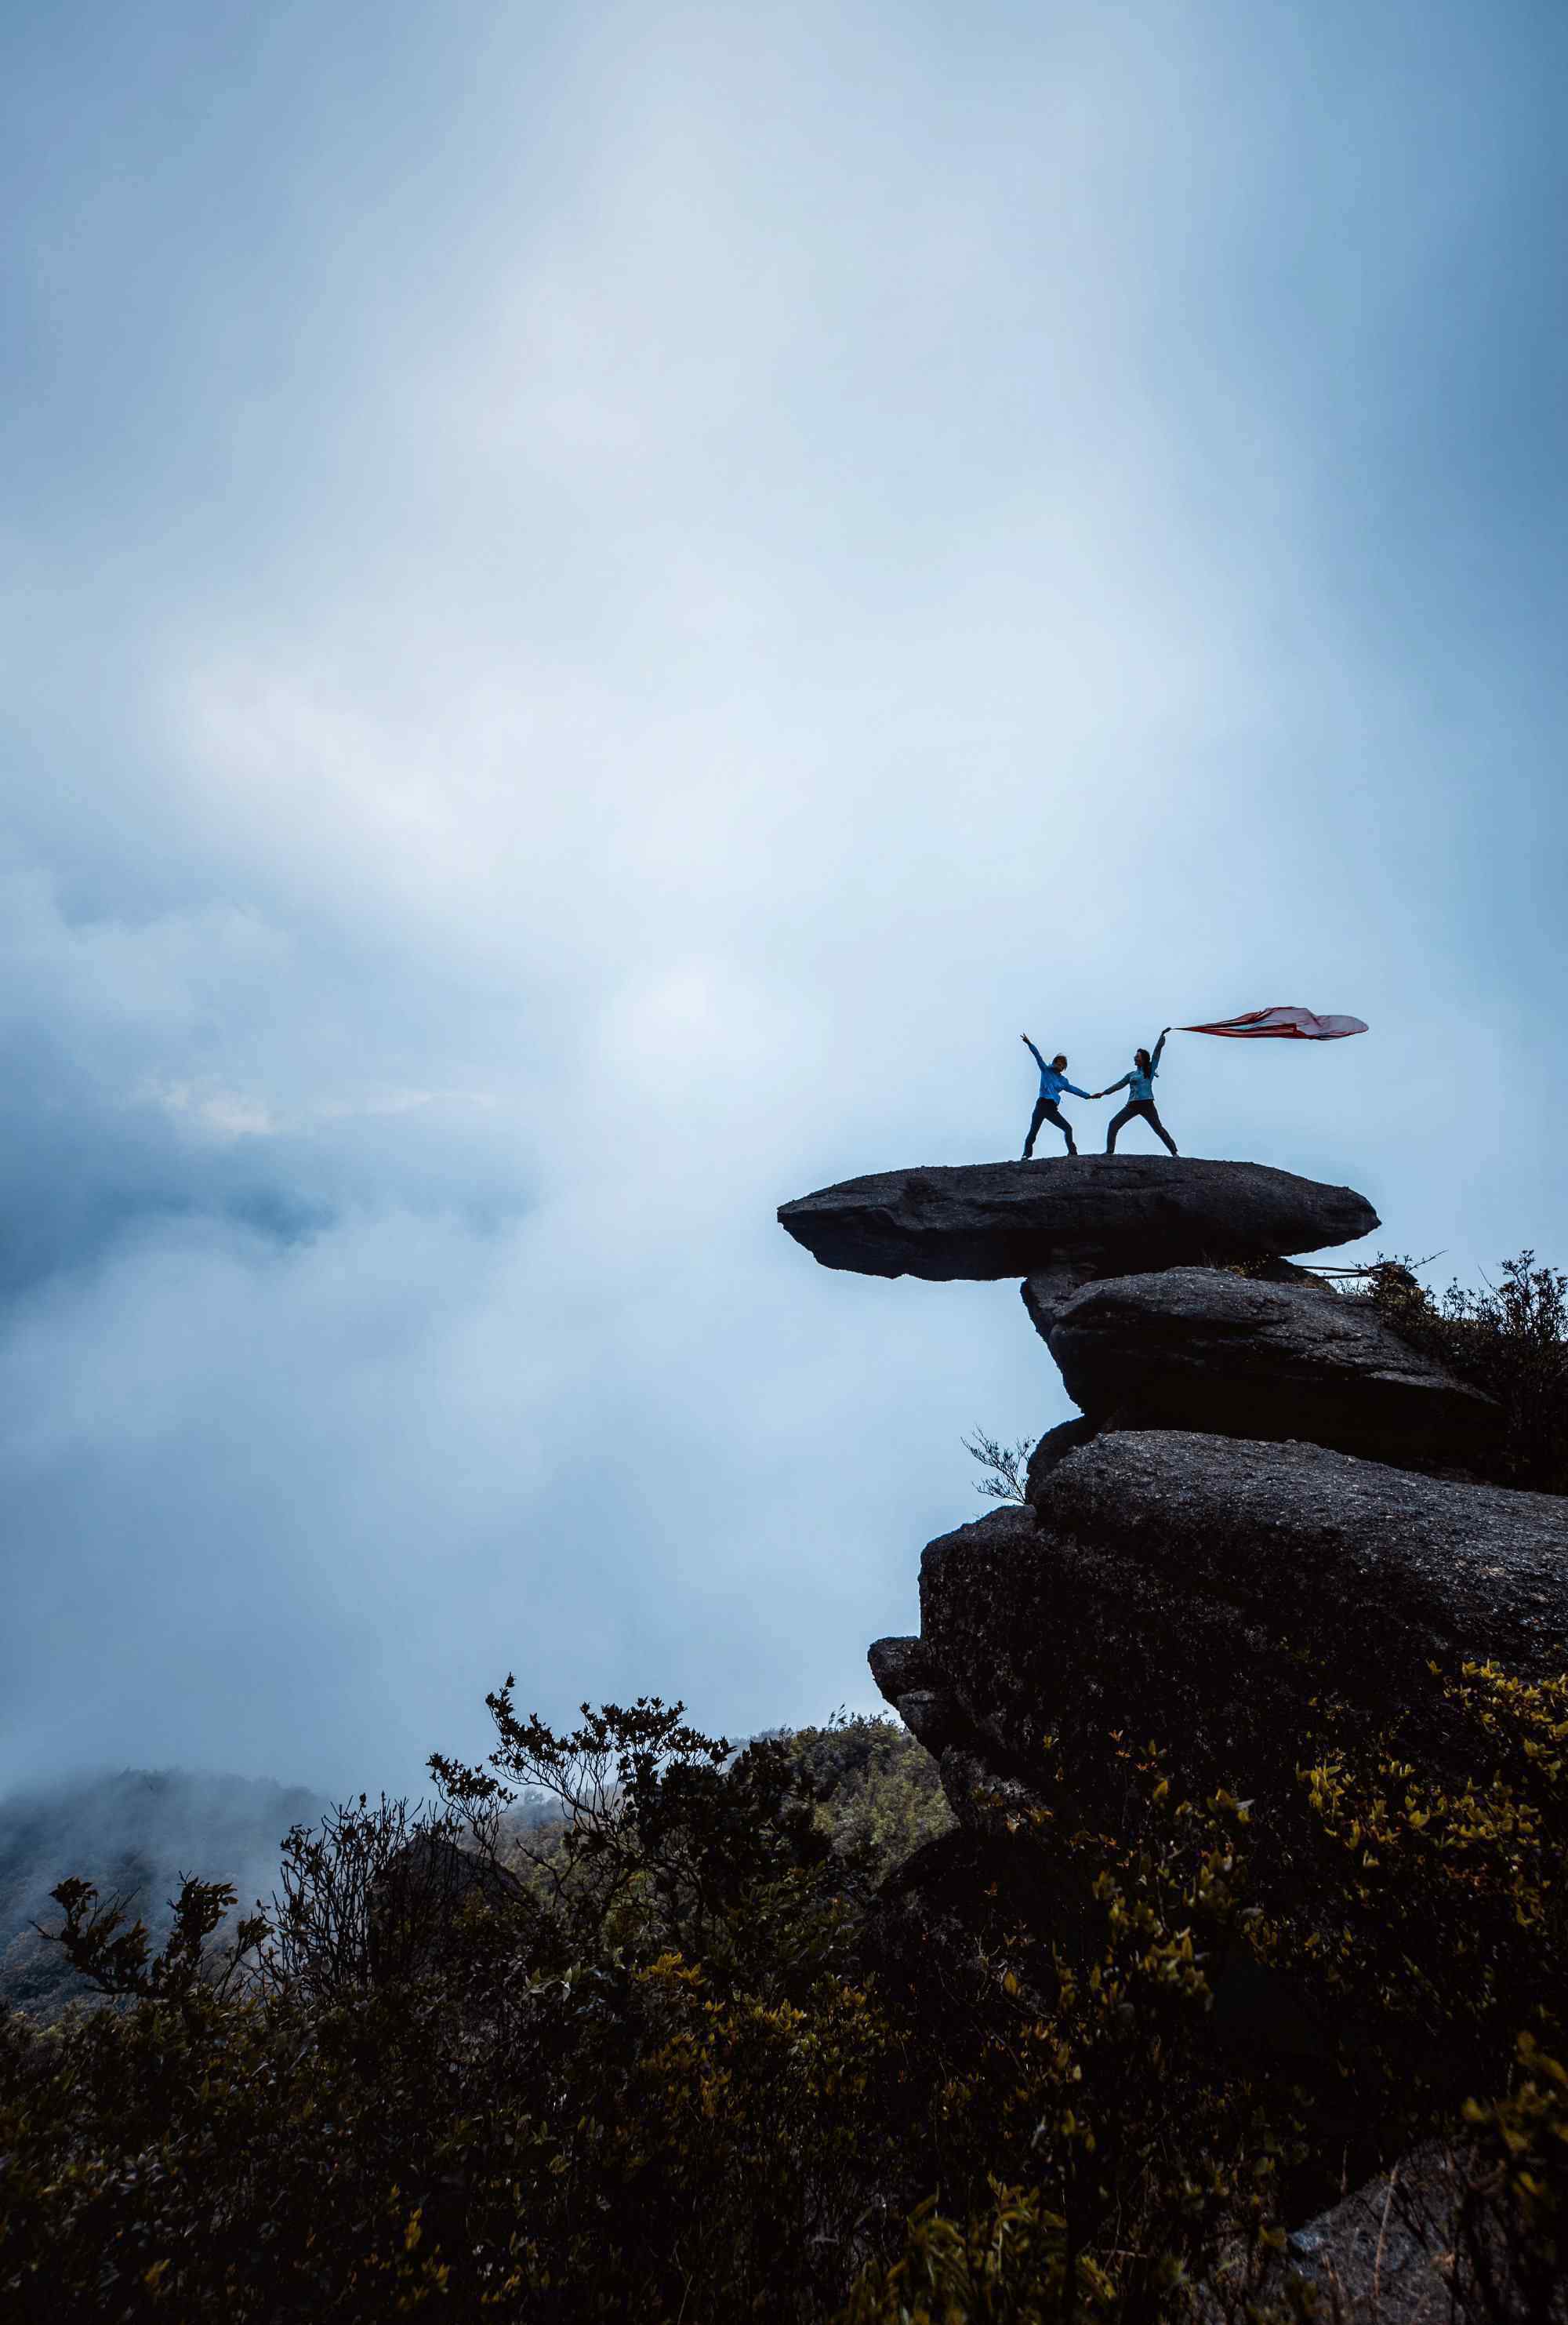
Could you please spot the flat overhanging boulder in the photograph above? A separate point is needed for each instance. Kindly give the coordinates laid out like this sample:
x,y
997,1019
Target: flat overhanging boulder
x,y
1089,1216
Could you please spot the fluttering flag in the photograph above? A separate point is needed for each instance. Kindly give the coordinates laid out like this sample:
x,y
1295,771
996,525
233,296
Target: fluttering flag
x,y
1286,1025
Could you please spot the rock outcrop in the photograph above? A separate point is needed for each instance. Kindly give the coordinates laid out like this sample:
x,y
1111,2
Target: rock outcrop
x,y
1389,2253
1052,1450
1075,1219
928,1711
1205,1349
422,1894
1163,1287
1234,1528
1209,1592
1257,1552
1427,1567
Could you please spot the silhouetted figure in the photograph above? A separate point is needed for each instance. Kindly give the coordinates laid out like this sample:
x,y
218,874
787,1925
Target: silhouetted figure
x,y
1140,1085
1053,1083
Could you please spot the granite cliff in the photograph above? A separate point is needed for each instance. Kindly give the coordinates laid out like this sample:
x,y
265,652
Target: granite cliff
x,y
1270,1511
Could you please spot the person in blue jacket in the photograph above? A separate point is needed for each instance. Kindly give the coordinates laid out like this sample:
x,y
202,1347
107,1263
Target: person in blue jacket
x,y
1139,1087
1053,1083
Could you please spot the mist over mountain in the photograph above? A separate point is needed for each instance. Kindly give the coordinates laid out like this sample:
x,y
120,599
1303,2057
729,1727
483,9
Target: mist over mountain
x,y
134,1834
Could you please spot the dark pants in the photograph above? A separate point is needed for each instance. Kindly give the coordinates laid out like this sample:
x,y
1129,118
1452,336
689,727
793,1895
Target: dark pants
x,y
1048,1110
1145,1107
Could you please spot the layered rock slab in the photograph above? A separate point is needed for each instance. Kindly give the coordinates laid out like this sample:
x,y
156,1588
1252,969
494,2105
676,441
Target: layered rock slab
x,y
1209,1594
1202,1348
1071,1219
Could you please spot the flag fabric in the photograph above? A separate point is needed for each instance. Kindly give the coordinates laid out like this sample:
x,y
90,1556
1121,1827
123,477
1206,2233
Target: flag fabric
x,y
1281,1024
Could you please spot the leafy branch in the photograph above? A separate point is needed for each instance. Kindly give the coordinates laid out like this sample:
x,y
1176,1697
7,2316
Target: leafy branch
x,y
1004,1468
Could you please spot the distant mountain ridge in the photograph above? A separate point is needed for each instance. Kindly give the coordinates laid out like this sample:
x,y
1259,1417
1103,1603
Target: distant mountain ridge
x,y
134,1833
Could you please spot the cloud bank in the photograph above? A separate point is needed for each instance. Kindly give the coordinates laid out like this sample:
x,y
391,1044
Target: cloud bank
x,y
597,620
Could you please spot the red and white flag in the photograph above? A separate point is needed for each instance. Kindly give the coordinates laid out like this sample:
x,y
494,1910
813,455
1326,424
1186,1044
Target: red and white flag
x,y
1281,1026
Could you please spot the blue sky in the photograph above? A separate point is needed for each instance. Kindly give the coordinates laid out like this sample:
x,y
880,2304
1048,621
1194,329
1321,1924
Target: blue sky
x,y
599,608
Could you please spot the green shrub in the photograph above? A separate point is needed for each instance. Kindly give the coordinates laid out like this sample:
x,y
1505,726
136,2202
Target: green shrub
x,y
1510,1341
695,2068
876,1789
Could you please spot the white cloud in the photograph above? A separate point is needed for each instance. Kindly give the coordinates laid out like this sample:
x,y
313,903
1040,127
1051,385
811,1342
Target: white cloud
x,y
226,1113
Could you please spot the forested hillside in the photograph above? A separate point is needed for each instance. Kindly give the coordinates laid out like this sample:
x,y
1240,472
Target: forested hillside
x,y
711,2062
134,1834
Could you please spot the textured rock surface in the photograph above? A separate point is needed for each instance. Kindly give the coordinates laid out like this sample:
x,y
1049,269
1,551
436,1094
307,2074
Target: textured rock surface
x,y
1391,2253
898,1666
1051,1453
900,1670
1203,1591
1384,2254
1300,1533
1049,1290
1200,1348
1096,1215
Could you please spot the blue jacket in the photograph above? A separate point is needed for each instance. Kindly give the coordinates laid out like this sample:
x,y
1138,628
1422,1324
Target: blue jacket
x,y
1052,1083
1138,1086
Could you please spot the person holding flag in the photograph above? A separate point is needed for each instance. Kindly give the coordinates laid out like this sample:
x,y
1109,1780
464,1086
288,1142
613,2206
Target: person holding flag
x,y
1053,1083
1139,1087
1283,1023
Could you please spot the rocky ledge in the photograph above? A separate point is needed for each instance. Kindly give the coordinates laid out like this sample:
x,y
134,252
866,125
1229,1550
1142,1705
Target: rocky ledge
x,y
1204,1348
1209,1592
1256,1550
1095,1216
1164,1288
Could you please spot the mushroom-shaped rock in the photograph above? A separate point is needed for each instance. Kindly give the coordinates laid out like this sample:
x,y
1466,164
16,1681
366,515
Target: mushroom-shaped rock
x,y
1073,1218
1198,1347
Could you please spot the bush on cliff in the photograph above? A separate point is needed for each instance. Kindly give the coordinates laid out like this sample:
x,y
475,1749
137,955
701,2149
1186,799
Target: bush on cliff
x,y
1510,1341
875,1788
695,2068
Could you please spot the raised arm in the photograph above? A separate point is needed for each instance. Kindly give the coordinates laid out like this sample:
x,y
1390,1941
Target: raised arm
x,y
1154,1058
1033,1051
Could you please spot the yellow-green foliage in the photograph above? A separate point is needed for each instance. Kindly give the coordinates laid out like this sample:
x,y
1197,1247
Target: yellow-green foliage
x,y
1408,1842
699,2075
1509,1341
877,1788
1519,2199
1443,1905
1012,2264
